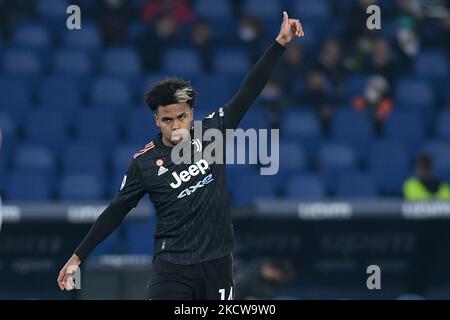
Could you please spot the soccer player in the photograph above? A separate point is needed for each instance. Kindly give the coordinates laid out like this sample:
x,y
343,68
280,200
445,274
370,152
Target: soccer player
x,y
194,233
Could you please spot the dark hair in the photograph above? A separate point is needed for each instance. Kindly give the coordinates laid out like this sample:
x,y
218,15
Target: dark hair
x,y
170,91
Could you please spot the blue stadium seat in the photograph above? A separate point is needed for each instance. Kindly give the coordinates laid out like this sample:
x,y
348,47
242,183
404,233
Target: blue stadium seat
x,y
355,85
47,128
31,36
317,10
21,63
415,93
181,61
9,131
220,17
111,92
71,62
98,126
213,90
82,158
15,96
406,127
219,9
80,187
305,187
150,80
354,128
87,38
356,185
7,125
60,93
52,9
30,158
122,157
234,169
442,125
292,156
389,165
249,186
431,64
121,62
336,159
30,186
231,62
255,118
139,236
140,126
269,9
304,126
440,153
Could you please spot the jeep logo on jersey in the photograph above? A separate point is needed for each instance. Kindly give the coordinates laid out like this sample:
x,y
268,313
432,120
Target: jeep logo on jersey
x,y
193,170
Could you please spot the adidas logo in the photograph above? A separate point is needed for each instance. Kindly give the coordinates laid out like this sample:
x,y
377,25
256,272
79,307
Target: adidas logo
x,y
162,170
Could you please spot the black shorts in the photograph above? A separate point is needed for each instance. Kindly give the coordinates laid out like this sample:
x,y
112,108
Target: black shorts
x,y
210,280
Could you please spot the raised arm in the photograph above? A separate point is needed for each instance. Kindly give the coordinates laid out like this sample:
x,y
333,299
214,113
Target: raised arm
x,y
261,72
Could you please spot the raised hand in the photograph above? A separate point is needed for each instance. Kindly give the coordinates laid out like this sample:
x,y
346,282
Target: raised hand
x,y
289,29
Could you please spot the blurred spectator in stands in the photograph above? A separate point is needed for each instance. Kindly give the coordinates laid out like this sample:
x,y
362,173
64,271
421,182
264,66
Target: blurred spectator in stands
x,y
358,51
408,28
319,96
251,36
424,185
13,11
330,62
179,10
114,17
356,38
291,68
381,60
260,280
376,99
273,100
202,39
154,41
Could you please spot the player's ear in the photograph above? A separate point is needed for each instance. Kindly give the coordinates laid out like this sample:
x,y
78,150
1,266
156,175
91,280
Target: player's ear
x,y
156,120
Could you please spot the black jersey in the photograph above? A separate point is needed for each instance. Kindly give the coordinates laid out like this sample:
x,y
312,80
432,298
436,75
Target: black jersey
x,y
191,200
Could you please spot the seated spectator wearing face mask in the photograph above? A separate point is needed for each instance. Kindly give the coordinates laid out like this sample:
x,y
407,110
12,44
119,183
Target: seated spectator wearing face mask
x,y
425,186
376,99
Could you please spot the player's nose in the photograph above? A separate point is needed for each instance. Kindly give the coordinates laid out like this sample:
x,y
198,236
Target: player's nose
x,y
175,125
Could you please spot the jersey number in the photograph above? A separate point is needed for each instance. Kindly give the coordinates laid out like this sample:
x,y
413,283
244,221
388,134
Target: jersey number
x,y
222,294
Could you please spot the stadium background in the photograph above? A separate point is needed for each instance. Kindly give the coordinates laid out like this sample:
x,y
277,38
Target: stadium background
x,y
354,107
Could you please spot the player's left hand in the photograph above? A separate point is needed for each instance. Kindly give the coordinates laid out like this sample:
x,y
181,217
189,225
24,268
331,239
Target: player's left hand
x,y
289,29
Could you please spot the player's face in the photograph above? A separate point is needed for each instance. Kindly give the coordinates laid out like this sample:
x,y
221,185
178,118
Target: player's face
x,y
172,118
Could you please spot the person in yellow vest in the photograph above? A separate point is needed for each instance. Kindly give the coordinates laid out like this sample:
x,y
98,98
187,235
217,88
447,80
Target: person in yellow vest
x,y
424,185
